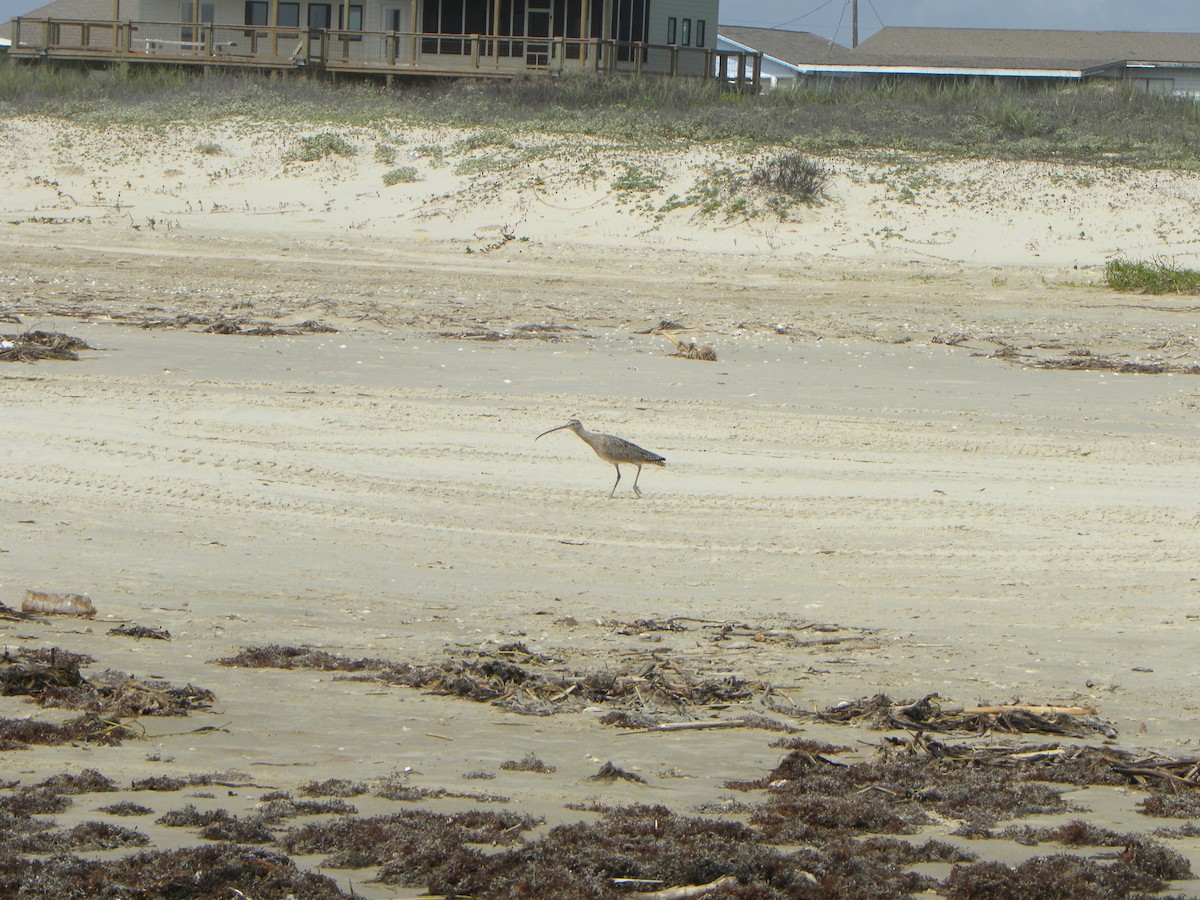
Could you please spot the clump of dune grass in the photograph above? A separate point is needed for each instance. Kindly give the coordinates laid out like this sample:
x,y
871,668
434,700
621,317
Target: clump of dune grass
x,y
318,146
1153,277
208,148
402,175
795,176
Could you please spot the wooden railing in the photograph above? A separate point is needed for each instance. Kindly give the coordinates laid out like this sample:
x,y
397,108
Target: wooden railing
x,y
358,51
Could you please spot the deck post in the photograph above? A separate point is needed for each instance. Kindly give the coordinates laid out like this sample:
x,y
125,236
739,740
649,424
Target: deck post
x,y
273,22
496,33
475,52
673,65
585,32
116,19
757,85
416,26
195,20
638,48
741,75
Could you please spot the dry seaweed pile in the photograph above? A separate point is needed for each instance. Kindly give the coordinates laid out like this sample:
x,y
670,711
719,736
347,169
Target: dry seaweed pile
x,y
218,870
652,848
224,324
534,687
845,817
928,714
51,678
30,346
1085,362
530,332
141,631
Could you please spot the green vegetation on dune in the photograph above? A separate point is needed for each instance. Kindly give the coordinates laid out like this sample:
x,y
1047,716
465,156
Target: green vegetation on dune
x,y
1154,277
1099,123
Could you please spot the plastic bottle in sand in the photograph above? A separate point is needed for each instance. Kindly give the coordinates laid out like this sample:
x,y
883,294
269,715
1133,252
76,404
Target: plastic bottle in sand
x,y
44,603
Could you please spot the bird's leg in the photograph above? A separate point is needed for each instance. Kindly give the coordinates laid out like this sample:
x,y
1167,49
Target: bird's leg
x,y
613,492
635,478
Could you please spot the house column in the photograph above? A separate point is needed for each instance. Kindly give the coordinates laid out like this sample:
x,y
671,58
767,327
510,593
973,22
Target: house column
x,y
496,32
345,17
417,27
585,33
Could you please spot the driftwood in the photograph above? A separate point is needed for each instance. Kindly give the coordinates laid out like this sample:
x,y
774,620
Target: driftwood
x,y
688,349
686,892
1035,710
690,726
1166,770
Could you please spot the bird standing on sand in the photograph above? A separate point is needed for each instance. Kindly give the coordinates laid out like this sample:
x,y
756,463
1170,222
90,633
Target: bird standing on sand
x,y
614,450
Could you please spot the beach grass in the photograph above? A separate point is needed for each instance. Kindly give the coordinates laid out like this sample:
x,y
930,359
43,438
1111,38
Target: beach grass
x,y
1151,277
1103,123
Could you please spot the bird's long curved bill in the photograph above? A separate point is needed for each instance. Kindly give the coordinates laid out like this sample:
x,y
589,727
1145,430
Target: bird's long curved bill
x,y
551,431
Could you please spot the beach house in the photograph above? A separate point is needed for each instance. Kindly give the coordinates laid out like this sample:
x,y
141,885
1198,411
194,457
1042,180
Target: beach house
x,y
484,38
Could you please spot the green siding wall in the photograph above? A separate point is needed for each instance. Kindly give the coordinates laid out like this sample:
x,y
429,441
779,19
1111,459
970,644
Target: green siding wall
x,y
695,11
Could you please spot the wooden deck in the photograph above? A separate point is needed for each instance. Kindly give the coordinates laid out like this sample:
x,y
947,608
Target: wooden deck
x,y
99,42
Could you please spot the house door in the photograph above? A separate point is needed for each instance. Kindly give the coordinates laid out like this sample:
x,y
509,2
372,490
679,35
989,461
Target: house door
x,y
187,12
539,22
319,17
398,18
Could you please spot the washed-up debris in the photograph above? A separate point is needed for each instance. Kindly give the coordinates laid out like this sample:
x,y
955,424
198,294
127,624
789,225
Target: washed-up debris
x,y
531,763
35,672
1119,366
530,332
609,772
536,687
52,604
51,678
141,631
8,614
17,734
690,349
928,714
268,329
191,873
30,346
224,324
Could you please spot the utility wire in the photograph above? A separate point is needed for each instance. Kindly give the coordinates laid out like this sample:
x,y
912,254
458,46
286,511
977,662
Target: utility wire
x,y
807,14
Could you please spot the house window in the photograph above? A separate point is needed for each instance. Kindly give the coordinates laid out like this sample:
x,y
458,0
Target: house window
x,y
318,15
699,32
672,22
356,18
687,32
289,15
256,12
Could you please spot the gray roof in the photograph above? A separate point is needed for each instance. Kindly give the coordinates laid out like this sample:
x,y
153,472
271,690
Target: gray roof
x,y
788,46
1004,48
69,9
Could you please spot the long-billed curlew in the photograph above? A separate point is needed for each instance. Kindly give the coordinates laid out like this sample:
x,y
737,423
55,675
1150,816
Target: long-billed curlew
x,y
614,450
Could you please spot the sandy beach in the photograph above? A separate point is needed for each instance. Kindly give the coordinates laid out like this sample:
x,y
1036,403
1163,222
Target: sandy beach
x,y
916,455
